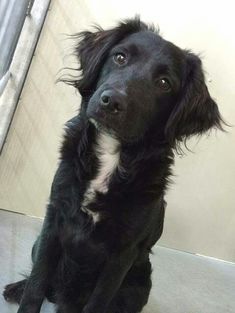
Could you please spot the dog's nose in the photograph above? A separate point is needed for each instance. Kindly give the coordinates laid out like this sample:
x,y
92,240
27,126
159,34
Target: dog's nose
x,y
112,101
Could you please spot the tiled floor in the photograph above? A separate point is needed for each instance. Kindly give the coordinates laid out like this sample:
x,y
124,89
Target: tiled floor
x,y
182,283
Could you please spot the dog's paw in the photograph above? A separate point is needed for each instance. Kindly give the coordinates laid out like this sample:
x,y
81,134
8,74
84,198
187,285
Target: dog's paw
x,y
13,292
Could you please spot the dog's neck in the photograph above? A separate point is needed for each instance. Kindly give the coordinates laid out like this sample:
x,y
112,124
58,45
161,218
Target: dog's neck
x,y
107,152
139,170
120,164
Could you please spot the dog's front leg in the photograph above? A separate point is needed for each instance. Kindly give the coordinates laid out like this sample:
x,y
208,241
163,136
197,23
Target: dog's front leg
x,y
110,280
45,263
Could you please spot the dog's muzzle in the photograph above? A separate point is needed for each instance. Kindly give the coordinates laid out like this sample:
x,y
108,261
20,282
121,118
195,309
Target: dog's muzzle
x,y
112,101
106,104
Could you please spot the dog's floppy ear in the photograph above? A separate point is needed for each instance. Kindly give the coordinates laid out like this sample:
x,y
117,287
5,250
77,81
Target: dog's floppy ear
x,y
195,112
92,50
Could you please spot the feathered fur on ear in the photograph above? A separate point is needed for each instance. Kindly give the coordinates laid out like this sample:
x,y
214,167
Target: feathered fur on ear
x,y
196,112
92,50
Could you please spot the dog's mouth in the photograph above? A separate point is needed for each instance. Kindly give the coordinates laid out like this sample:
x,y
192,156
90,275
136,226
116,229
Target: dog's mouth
x,y
106,110
107,103
103,123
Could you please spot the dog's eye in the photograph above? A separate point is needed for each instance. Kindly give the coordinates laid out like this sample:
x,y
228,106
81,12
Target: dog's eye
x,y
120,58
164,84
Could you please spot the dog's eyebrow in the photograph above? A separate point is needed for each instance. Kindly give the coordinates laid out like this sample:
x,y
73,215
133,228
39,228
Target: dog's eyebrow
x,y
131,48
161,69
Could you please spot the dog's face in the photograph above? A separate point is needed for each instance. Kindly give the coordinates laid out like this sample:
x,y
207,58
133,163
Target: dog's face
x,y
135,83
137,86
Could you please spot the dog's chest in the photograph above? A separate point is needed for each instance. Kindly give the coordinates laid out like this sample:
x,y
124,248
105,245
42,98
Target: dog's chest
x,y
107,150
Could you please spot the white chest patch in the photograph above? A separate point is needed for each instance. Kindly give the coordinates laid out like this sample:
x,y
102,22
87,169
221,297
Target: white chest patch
x,y
107,150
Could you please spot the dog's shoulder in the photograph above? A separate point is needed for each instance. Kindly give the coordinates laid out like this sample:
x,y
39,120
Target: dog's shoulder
x,y
75,134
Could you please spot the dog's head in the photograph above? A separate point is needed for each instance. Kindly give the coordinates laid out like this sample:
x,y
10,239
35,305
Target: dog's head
x,y
136,83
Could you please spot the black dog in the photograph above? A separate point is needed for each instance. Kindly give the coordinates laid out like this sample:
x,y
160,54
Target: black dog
x,y
141,97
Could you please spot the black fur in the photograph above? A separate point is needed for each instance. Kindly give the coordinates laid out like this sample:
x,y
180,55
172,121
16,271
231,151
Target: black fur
x,y
104,267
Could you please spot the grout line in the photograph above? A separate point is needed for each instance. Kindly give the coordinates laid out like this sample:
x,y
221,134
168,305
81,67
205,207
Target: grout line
x,y
197,254
33,216
19,213
13,212
215,259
